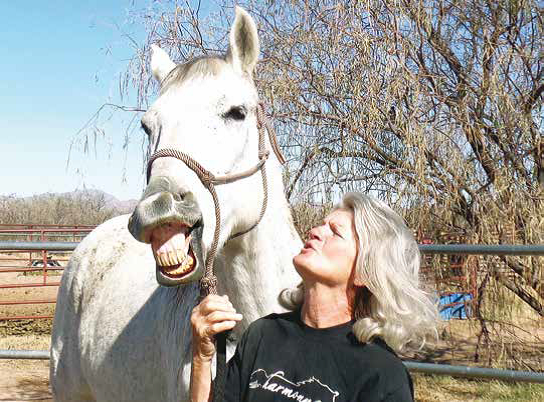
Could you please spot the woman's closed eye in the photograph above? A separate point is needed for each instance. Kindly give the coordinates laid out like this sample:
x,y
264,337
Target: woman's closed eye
x,y
336,230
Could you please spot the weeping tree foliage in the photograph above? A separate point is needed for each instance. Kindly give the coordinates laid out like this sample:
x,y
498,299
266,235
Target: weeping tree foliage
x,y
436,106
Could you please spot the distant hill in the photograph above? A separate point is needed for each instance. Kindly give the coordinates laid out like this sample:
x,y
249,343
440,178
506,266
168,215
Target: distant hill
x,y
109,201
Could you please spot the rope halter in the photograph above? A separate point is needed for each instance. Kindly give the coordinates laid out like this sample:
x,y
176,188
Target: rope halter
x,y
208,284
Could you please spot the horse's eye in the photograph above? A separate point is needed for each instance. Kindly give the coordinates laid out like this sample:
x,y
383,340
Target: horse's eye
x,y
236,113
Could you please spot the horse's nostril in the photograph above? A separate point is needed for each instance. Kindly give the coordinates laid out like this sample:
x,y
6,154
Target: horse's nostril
x,y
178,197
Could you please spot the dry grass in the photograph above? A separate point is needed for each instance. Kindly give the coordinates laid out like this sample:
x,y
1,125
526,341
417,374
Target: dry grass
x,y
29,341
445,388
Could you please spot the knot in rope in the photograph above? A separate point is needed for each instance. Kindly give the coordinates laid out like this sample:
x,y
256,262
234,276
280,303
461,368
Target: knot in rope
x,y
264,154
206,178
208,285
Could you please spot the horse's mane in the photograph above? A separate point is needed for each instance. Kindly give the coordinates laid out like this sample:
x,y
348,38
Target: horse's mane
x,y
199,66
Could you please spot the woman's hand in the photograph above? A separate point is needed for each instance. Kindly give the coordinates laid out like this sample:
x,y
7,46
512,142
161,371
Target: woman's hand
x,y
214,314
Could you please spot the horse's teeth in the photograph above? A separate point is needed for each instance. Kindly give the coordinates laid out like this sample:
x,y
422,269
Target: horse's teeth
x,y
181,256
175,272
163,259
175,258
160,260
188,263
187,244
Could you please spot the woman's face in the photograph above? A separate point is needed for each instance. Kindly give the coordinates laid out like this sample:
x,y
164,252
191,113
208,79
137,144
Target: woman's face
x,y
330,252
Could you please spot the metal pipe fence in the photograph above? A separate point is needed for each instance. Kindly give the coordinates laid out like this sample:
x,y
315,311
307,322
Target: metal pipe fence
x,y
33,260
483,249
37,246
43,226
44,232
471,249
414,367
475,372
24,354
428,368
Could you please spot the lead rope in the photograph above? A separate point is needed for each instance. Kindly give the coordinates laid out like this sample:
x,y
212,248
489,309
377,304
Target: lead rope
x,y
208,283
221,338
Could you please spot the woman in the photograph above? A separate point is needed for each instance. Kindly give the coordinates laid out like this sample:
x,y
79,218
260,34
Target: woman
x,y
359,303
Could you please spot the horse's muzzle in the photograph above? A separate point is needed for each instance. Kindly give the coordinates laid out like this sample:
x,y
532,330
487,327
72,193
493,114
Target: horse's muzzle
x,y
163,207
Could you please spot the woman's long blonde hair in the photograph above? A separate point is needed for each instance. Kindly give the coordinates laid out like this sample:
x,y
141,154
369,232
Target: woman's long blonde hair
x,y
392,305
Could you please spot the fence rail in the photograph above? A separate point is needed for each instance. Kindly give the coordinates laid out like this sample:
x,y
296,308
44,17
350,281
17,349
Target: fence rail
x,y
429,368
483,249
472,249
37,245
44,232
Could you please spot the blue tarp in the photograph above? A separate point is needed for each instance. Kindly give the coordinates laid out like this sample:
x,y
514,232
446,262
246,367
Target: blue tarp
x,y
460,310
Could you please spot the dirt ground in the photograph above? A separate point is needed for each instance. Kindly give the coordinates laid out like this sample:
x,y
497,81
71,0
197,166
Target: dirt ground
x,y
28,381
25,380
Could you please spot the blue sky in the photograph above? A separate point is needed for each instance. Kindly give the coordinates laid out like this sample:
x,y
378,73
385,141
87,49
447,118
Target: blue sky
x,y
56,72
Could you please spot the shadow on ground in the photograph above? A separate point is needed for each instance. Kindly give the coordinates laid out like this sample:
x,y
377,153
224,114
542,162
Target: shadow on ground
x,y
35,389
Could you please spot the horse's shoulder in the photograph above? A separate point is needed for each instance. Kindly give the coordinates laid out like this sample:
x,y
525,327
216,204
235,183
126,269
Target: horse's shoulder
x,y
97,254
110,238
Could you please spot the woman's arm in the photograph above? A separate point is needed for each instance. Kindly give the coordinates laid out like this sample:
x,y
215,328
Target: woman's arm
x,y
213,315
201,381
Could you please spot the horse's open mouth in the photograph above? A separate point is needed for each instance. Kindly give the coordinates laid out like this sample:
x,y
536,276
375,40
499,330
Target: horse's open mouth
x,y
171,245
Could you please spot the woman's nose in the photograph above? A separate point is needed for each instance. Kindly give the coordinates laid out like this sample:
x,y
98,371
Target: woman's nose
x,y
314,234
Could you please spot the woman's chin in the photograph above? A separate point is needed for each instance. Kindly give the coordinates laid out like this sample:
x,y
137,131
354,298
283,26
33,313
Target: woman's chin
x,y
299,259
303,263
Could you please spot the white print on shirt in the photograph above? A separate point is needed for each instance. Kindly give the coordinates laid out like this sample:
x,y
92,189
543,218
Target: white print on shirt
x,y
310,390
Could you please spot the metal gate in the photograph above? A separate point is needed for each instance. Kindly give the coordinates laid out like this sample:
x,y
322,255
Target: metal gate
x,y
40,266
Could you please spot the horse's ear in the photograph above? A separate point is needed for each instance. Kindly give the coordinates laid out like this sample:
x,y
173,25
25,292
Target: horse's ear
x,y
161,64
244,42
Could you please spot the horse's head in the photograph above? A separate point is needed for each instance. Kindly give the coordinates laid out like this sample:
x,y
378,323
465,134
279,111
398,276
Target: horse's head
x,y
206,110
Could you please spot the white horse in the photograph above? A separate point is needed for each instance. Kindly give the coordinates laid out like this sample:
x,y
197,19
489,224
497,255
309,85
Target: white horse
x,y
120,336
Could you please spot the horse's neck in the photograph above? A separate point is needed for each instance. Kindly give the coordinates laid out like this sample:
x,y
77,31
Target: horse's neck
x,y
254,268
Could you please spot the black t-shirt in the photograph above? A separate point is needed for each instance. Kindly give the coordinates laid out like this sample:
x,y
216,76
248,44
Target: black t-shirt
x,y
279,358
